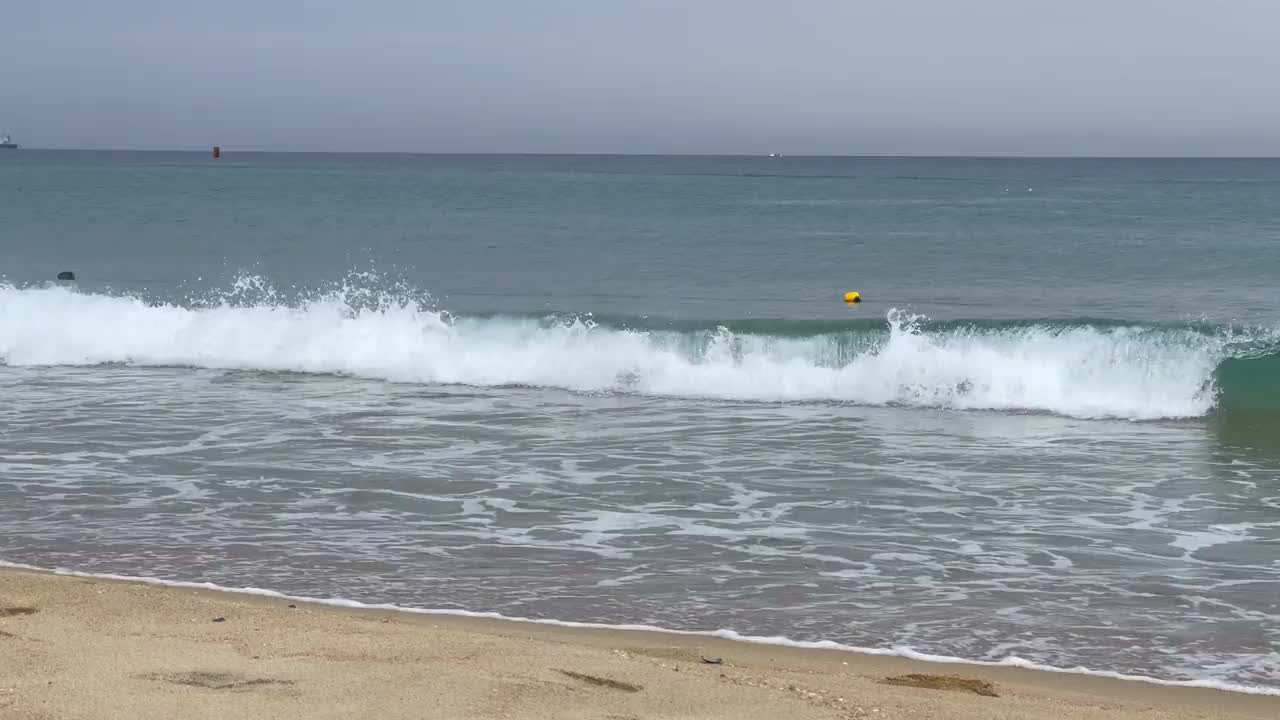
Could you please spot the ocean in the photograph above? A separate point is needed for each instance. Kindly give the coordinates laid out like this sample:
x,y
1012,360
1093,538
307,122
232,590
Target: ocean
x,y
627,391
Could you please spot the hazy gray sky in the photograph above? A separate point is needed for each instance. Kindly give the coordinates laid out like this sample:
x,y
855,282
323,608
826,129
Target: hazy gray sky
x,y
705,76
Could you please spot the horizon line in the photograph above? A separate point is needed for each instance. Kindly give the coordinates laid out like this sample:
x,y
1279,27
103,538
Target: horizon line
x,y
917,156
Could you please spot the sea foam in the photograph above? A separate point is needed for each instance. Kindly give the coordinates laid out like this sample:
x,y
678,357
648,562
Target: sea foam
x,y
1083,371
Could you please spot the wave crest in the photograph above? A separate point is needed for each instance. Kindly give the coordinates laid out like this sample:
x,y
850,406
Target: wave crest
x,y
1084,370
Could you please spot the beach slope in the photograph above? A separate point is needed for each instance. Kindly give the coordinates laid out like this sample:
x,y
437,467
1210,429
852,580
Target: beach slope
x,y
85,648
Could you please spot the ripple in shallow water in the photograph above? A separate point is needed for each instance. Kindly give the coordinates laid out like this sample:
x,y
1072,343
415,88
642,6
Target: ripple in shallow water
x,y
1139,548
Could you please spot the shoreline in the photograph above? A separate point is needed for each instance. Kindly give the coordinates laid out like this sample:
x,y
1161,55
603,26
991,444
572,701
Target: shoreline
x,y
164,650
718,635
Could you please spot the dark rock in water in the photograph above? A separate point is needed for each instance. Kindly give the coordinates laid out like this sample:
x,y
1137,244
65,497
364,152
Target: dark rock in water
x,y
219,619
66,275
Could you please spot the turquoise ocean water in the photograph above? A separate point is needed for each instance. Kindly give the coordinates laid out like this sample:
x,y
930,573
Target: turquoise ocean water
x,y
627,390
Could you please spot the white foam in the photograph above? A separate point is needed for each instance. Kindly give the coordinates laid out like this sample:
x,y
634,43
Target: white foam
x,y
1213,535
1082,372
904,557
897,651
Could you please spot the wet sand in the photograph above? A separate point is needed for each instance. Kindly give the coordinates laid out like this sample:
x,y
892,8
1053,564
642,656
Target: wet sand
x,y
81,648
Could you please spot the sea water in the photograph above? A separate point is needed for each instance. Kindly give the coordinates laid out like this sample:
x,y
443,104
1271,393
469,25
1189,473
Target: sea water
x,y
626,390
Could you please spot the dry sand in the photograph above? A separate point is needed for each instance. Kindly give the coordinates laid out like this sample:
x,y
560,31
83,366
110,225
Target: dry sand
x,y
77,648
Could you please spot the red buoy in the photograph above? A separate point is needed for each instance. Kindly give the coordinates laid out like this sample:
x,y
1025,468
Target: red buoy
x,y
217,151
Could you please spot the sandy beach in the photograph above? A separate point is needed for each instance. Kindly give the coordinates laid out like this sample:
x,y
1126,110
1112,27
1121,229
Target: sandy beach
x,y
85,648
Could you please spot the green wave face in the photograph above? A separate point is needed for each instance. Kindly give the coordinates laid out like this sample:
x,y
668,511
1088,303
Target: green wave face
x,y
1248,385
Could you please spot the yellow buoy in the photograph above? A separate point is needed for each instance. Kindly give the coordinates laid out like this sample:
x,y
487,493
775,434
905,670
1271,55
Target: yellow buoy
x,y
852,297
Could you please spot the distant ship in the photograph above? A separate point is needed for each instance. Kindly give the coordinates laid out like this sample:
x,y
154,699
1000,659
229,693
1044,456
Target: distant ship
x,y
7,143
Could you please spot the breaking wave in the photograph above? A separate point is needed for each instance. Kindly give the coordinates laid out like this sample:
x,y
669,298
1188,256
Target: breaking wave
x,y
1085,369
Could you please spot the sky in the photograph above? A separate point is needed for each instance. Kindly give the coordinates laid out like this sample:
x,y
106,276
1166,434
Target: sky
x,y
915,77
